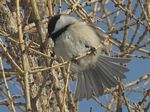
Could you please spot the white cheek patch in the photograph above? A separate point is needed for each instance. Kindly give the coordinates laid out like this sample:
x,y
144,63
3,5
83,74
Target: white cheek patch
x,y
59,25
63,22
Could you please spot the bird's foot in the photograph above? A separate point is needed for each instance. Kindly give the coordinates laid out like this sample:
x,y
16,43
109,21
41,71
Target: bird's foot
x,y
92,49
74,59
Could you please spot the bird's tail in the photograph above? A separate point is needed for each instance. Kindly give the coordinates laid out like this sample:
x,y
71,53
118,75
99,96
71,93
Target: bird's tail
x,y
103,74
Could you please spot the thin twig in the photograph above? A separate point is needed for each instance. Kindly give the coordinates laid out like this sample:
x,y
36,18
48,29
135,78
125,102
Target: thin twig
x,y
101,104
11,60
66,86
25,62
7,88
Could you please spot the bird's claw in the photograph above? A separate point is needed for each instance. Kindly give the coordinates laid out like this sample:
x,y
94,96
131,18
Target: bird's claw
x,y
74,60
93,50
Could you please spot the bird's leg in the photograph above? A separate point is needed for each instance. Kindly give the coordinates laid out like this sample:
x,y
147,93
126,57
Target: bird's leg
x,y
73,59
92,49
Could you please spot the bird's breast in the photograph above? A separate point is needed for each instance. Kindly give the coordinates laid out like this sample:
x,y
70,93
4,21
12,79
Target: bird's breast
x,y
68,47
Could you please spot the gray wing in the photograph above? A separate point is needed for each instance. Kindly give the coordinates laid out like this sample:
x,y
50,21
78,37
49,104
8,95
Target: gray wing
x,y
102,75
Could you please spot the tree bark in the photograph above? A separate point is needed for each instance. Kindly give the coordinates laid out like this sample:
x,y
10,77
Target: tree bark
x,y
46,89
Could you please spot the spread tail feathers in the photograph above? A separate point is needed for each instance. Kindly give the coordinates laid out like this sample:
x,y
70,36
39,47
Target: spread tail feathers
x,y
103,74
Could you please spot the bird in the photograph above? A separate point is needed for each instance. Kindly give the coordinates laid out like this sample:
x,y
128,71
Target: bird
x,y
96,71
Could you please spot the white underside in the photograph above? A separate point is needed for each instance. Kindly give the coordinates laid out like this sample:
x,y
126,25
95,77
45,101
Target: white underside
x,y
70,44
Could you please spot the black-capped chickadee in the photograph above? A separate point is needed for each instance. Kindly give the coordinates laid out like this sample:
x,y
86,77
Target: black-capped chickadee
x,y
95,71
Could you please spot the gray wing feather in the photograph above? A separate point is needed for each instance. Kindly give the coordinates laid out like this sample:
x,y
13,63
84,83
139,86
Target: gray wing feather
x,y
93,83
103,74
87,85
98,89
78,88
115,59
107,77
113,69
88,88
115,66
83,93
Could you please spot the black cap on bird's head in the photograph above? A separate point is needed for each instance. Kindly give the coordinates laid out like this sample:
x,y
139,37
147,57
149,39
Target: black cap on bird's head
x,y
52,23
58,24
